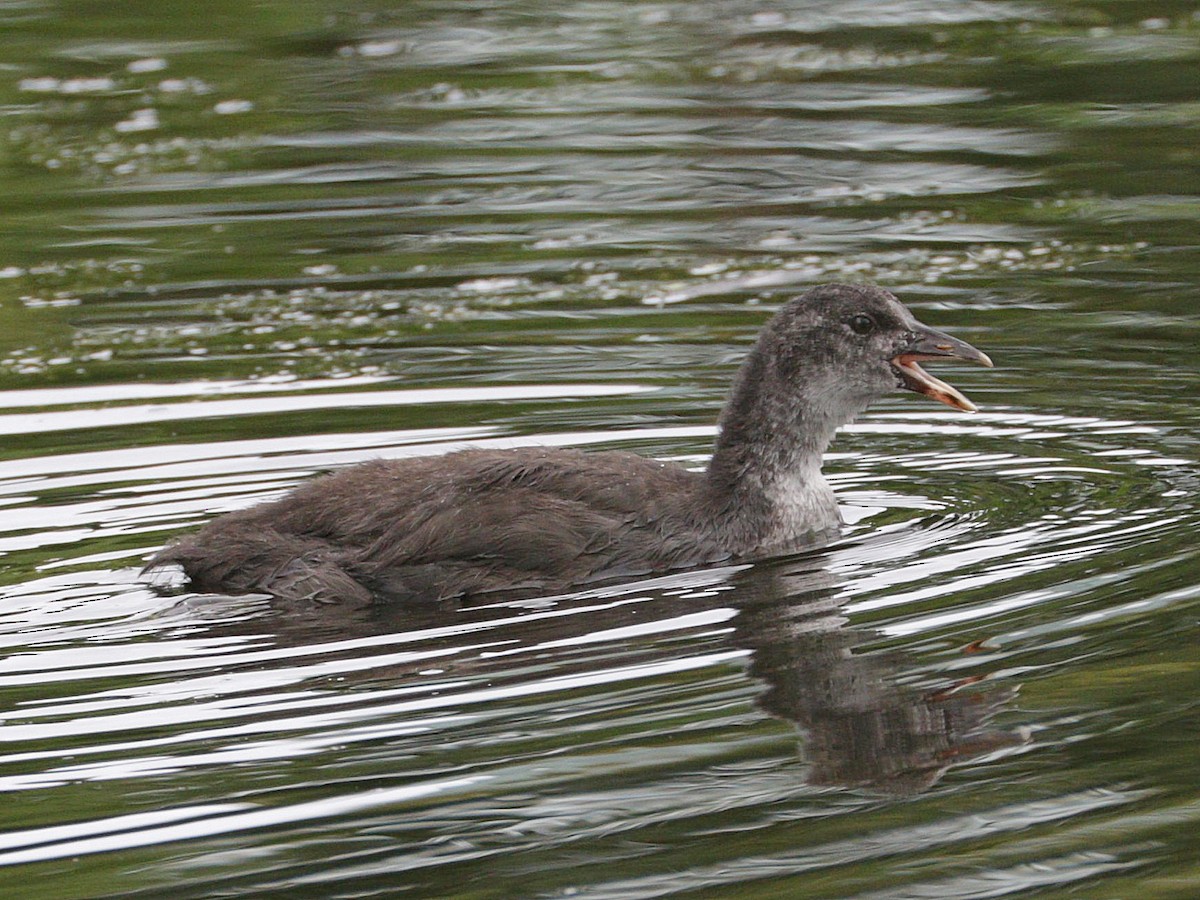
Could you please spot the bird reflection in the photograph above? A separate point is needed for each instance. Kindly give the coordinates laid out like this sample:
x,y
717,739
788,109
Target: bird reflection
x,y
863,726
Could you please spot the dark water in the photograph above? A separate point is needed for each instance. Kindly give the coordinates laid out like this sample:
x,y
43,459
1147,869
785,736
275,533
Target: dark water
x,y
244,243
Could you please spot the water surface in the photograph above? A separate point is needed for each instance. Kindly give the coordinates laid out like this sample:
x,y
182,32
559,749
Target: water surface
x,y
246,246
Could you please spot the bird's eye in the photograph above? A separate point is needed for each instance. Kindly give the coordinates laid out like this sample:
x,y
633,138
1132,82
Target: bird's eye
x,y
862,324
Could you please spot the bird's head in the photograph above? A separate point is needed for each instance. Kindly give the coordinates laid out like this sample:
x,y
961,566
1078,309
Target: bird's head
x,y
845,345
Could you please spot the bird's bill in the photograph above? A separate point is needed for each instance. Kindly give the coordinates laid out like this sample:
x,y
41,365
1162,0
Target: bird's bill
x,y
930,344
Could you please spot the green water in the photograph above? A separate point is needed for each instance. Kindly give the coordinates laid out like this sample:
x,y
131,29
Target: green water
x,y
245,243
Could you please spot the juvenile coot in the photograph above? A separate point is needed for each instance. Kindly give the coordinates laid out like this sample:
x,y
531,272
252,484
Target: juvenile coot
x,y
546,519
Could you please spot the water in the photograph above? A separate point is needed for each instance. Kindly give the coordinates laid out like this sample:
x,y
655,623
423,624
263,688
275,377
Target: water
x,y
246,246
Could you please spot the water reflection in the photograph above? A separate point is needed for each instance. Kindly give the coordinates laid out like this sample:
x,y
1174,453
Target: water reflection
x,y
865,723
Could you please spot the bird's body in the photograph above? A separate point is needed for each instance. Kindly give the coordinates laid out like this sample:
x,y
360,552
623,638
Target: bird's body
x,y
466,523
546,519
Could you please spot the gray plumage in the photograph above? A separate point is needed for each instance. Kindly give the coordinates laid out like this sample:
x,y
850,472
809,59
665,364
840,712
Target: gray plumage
x,y
547,519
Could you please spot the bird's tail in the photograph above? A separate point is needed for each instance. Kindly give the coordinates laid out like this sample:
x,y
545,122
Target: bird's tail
x,y
233,557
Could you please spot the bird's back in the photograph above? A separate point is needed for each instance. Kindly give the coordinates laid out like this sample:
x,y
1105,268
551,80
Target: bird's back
x,y
469,522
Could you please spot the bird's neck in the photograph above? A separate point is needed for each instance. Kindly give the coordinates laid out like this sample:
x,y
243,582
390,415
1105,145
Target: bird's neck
x,y
764,479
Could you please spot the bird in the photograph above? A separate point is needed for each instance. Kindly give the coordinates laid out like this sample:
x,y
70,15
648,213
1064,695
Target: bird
x,y
535,520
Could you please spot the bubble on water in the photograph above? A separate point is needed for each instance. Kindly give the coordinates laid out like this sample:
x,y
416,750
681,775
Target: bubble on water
x,y
149,64
140,120
375,49
321,270
43,85
918,265
184,86
44,302
233,107
493,285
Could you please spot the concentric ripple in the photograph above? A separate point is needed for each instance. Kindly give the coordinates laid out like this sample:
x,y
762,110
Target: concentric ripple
x,y
981,547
